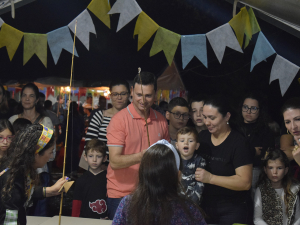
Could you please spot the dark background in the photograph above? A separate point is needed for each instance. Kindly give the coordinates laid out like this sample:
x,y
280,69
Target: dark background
x,y
113,55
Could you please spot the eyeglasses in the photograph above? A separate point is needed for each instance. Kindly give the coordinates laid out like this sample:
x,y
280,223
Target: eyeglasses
x,y
177,115
253,109
8,139
116,94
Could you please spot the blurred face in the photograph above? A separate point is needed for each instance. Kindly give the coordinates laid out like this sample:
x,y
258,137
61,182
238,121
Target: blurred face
x,y
186,145
250,110
5,140
214,121
276,171
94,159
28,99
137,97
178,117
119,96
1,96
292,121
197,110
61,100
41,160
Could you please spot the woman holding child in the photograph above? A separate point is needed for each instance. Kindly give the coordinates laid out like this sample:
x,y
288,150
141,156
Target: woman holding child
x,y
226,196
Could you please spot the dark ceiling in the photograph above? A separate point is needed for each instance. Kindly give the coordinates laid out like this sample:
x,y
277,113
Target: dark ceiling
x,y
113,55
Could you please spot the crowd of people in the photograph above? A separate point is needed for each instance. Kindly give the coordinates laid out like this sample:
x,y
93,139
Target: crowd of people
x,y
182,162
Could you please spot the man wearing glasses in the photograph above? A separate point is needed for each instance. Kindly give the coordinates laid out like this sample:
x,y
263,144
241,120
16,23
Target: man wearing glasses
x,y
127,139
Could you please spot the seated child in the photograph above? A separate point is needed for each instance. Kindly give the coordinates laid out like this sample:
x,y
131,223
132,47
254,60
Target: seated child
x,y
276,198
178,116
90,190
186,144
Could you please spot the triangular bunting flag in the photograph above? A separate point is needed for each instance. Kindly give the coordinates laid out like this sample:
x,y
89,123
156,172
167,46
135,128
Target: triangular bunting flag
x,y
263,49
35,44
145,27
1,22
221,37
60,39
85,26
100,8
285,71
128,9
241,25
255,28
11,38
166,41
193,45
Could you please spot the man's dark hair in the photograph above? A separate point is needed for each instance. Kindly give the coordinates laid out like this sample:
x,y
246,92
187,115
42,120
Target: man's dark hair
x,y
147,79
178,101
47,104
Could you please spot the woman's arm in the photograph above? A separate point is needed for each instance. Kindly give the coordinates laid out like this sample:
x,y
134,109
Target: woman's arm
x,y
241,181
287,145
258,220
296,153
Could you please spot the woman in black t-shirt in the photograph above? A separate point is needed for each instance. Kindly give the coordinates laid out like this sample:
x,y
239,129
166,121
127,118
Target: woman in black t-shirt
x,y
227,178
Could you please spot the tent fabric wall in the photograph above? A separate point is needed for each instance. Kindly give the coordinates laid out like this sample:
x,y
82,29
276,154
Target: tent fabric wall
x,y
170,79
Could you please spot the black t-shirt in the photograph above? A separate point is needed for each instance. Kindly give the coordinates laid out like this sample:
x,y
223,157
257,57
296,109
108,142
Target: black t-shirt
x,y
222,160
91,191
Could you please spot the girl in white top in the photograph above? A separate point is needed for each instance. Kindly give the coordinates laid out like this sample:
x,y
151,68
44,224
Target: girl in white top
x,y
276,198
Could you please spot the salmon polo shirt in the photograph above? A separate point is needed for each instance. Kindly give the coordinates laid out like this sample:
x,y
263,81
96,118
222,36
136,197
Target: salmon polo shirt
x,y
127,129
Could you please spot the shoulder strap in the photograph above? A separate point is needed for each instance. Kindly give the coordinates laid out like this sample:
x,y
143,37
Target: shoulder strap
x,y
38,119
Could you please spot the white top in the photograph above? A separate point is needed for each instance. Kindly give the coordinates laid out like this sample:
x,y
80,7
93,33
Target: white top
x,y
258,219
46,121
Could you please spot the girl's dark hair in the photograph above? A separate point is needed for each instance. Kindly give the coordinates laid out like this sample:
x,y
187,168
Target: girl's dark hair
x,y
21,157
118,82
5,124
4,105
263,118
292,103
287,180
157,187
38,107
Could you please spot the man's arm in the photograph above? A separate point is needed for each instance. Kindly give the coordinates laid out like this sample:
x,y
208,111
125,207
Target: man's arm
x,y
119,161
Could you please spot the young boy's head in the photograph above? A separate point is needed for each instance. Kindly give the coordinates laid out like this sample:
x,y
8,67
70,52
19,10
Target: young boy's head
x,y
178,112
20,124
187,142
95,153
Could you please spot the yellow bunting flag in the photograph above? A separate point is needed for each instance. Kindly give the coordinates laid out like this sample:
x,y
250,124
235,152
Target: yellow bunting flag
x,y
100,8
166,41
254,25
145,27
11,38
241,25
35,44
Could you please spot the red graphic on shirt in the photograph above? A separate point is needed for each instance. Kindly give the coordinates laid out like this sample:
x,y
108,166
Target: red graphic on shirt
x,y
99,206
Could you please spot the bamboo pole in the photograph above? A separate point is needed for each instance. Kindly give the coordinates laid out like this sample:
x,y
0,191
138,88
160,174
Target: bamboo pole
x,y
67,128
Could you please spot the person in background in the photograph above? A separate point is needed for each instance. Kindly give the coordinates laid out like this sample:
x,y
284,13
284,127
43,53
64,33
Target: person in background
x,y
6,136
178,116
290,141
228,174
102,103
52,116
20,124
87,108
58,108
276,200
196,110
127,138
156,199
187,143
164,106
252,122
42,99
4,110
90,191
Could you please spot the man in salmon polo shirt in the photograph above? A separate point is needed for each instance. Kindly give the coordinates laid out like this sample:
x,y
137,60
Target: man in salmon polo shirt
x,y
127,140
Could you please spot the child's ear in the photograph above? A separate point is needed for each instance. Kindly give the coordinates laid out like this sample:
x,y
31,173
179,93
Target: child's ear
x,y
167,115
286,170
197,146
85,158
104,159
176,143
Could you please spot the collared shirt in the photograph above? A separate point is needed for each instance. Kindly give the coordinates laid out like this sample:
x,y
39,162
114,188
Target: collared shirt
x,y
127,129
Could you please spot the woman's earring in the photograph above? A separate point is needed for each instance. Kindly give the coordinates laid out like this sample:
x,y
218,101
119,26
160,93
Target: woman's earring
x,y
227,122
287,131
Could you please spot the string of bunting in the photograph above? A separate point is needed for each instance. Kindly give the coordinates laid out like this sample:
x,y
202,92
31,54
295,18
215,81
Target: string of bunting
x,y
236,34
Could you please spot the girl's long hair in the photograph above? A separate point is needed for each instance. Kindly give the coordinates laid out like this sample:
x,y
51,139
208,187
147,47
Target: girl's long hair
x,y
21,157
157,187
287,180
5,124
4,105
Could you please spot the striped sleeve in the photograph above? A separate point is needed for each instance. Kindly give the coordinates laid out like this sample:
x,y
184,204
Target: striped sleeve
x,y
94,126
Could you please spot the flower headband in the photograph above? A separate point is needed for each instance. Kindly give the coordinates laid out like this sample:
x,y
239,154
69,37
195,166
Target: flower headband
x,y
44,139
170,146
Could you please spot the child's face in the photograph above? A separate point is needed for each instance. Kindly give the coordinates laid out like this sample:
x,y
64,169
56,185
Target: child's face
x,y
276,171
197,110
186,144
178,117
94,159
5,140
